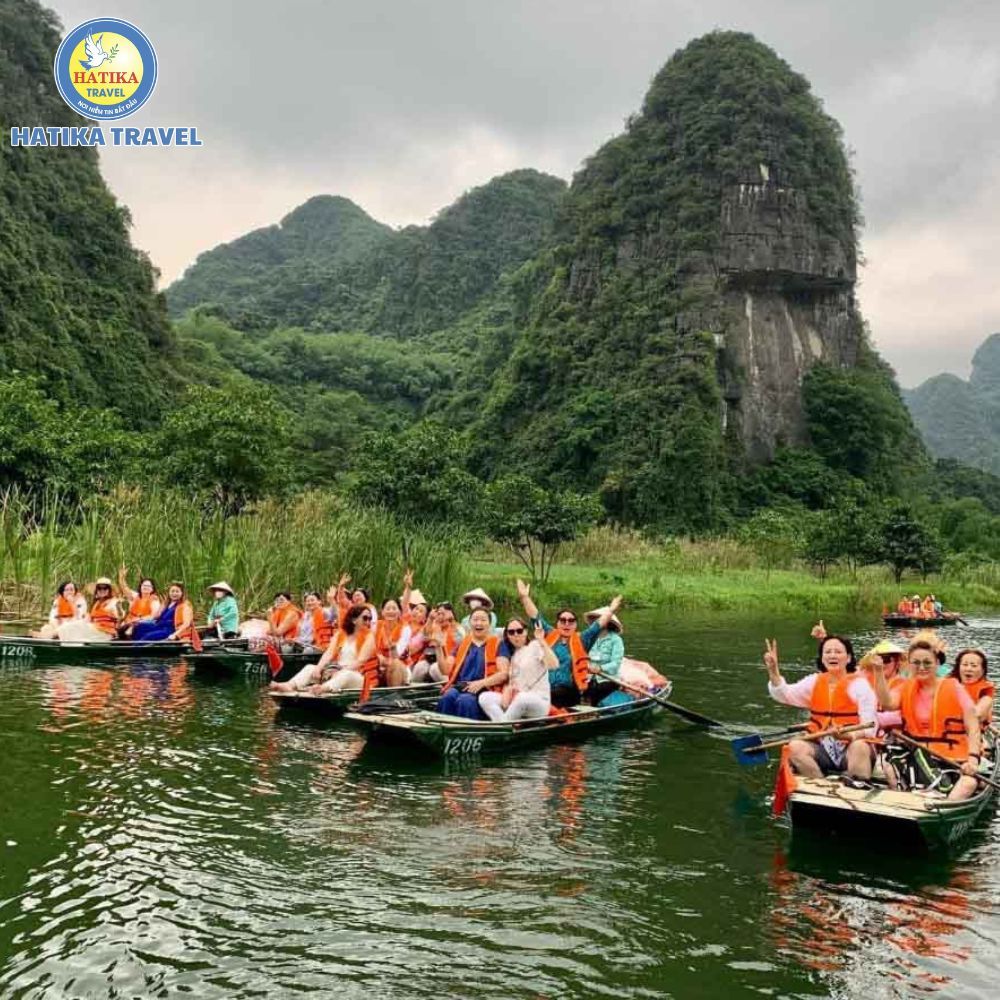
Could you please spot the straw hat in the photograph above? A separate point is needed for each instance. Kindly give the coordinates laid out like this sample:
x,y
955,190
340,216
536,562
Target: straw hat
x,y
888,648
222,585
479,595
103,581
592,616
418,598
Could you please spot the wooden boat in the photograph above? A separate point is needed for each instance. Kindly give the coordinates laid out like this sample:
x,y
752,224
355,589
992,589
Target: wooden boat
x,y
896,620
918,819
25,649
450,736
336,704
231,662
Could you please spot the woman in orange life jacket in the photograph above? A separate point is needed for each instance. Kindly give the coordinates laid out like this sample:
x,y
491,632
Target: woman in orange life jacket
x,y
572,677
283,619
479,663
314,629
358,597
174,622
101,623
938,713
835,696
349,663
970,670
144,604
392,644
67,606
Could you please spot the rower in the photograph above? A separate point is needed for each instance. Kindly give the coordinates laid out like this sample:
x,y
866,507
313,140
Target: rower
x,y
224,614
836,696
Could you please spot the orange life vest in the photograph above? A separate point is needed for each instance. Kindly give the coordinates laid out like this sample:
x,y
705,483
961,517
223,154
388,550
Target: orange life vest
x,y
284,621
65,610
386,638
104,615
141,607
492,647
368,669
983,688
580,660
944,732
183,610
831,703
322,628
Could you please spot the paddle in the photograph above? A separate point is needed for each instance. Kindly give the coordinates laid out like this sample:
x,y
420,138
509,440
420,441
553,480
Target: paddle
x,y
752,750
684,713
917,745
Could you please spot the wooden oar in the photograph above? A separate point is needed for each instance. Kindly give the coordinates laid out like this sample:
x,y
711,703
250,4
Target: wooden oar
x,y
752,750
684,713
917,745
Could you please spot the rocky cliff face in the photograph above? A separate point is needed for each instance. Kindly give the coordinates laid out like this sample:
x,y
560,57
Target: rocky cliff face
x,y
787,292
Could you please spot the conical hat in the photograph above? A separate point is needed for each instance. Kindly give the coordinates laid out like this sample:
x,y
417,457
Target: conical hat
x,y
222,585
592,616
417,598
481,595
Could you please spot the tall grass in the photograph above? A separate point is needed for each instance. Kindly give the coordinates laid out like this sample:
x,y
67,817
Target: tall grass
x,y
301,544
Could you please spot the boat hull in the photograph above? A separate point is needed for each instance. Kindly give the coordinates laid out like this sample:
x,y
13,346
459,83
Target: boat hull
x,y
904,621
27,650
334,705
449,736
233,663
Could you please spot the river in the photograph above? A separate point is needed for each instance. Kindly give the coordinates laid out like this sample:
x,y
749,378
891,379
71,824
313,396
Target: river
x,y
164,835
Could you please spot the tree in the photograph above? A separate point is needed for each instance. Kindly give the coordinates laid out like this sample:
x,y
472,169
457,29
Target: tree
x,y
822,544
775,535
233,442
533,522
418,474
907,542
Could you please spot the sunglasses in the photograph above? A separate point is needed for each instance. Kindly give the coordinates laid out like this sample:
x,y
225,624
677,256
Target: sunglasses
x,y
515,631
565,620
365,618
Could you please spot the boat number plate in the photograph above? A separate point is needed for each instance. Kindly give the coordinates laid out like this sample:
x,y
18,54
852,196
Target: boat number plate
x,y
9,652
468,744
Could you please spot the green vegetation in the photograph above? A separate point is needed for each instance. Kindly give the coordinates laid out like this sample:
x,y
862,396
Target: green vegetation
x,y
78,305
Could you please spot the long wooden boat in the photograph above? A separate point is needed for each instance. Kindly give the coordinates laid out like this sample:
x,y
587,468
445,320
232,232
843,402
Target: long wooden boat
x,y
226,661
450,736
335,704
905,621
917,819
25,649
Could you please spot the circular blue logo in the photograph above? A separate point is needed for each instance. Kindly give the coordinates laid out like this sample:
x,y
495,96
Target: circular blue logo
x,y
105,69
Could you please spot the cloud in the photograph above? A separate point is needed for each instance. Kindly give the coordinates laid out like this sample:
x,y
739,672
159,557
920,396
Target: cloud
x,y
403,106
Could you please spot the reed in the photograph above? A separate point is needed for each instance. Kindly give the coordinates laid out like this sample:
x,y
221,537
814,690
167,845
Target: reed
x,y
304,543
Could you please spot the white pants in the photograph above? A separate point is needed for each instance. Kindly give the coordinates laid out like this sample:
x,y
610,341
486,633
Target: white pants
x,y
424,672
525,705
345,680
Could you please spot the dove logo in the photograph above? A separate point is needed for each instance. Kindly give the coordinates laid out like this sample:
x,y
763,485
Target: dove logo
x,y
105,69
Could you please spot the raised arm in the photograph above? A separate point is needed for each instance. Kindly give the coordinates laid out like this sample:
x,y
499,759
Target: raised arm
x,y
889,700
123,586
404,598
524,593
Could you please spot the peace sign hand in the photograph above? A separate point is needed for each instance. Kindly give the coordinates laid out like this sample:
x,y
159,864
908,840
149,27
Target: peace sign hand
x,y
771,657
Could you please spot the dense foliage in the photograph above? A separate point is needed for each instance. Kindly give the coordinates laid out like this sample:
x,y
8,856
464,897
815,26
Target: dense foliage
x,y
78,304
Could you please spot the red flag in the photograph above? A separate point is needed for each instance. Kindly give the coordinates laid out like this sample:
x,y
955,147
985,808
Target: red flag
x,y
274,660
784,784
196,644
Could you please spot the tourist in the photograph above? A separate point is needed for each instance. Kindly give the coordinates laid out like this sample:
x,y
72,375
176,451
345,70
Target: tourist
x,y
571,678
101,624
67,606
350,662
971,669
478,598
475,667
144,603
606,649
224,614
892,657
526,695
283,619
174,622
392,643
358,597
836,698
315,629
938,713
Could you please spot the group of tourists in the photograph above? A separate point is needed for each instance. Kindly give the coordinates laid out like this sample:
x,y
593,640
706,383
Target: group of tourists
x,y
529,667
859,704
915,607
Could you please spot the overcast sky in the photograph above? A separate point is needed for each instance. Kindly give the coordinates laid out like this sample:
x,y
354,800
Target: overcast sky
x,y
402,105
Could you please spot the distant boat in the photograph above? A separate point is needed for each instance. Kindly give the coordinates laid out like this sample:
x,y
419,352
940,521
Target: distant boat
x,y
897,620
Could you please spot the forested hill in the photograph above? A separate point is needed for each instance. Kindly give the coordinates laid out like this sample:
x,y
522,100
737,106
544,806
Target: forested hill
x,y
959,419
329,266
78,305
